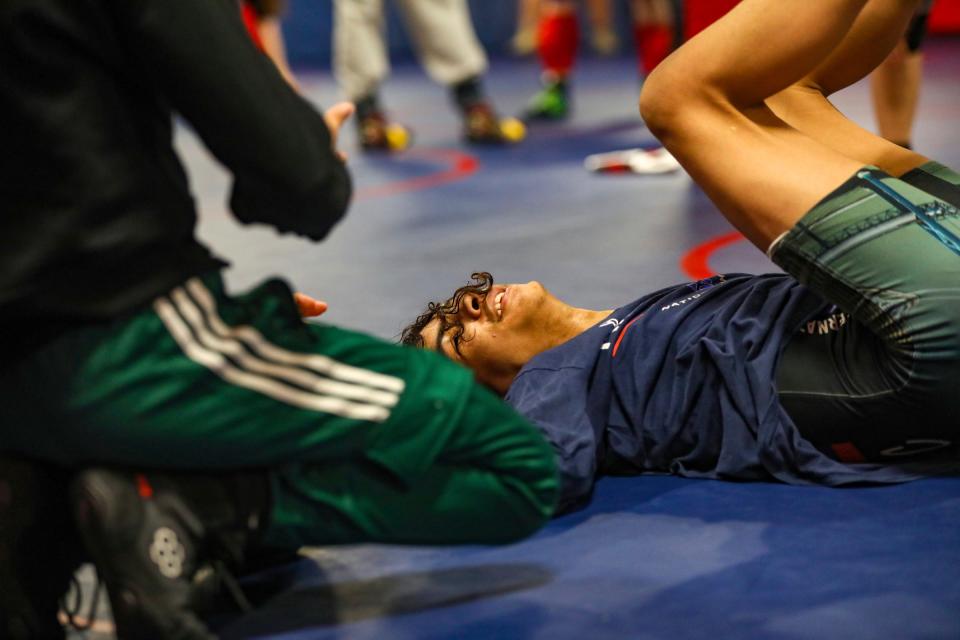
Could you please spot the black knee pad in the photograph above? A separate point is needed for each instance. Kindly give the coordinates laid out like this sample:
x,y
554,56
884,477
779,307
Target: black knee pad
x,y
917,29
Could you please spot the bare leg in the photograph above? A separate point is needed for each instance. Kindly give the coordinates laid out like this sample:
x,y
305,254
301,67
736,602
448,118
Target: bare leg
x,y
805,107
601,14
895,86
706,104
898,279
528,13
603,37
652,12
524,41
557,7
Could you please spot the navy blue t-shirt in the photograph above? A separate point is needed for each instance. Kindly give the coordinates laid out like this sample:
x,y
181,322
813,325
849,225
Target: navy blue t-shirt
x,y
682,381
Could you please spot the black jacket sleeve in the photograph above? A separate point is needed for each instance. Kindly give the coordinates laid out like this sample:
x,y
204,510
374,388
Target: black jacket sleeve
x,y
277,145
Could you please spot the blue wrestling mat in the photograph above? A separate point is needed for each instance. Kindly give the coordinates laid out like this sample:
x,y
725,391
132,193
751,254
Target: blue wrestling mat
x,y
656,557
653,557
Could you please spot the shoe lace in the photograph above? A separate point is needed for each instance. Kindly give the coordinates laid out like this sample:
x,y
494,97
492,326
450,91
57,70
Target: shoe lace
x,y
373,126
481,119
214,581
232,586
72,613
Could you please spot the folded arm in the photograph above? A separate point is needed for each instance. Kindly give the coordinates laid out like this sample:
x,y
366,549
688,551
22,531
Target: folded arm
x,y
280,151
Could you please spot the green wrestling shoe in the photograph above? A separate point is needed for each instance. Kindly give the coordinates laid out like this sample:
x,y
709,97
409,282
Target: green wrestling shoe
x,y
39,548
551,104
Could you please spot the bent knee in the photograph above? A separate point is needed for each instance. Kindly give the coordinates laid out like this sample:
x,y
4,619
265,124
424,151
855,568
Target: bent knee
x,y
656,101
671,101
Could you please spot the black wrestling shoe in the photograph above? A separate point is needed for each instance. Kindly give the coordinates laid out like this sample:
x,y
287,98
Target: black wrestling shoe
x,y
39,548
156,541
552,103
481,125
376,131
379,134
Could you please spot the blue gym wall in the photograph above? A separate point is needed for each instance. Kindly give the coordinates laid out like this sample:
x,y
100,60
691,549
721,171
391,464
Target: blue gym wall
x,y
308,26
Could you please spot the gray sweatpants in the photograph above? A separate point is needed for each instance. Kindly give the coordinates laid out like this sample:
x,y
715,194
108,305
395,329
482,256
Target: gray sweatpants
x,y
441,31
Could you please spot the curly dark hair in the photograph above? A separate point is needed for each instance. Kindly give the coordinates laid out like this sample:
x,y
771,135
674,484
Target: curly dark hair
x,y
448,312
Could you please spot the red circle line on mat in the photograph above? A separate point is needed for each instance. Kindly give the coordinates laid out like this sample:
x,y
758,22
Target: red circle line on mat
x,y
696,262
457,166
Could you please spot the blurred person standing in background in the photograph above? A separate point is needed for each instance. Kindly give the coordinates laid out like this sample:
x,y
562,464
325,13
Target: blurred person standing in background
x,y
447,46
558,41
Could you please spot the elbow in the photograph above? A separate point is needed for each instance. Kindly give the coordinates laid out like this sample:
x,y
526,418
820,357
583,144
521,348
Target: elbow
x,y
326,204
530,494
532,508
576,489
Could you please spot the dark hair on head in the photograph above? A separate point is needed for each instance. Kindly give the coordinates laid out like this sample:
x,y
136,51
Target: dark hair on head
x,y
448,312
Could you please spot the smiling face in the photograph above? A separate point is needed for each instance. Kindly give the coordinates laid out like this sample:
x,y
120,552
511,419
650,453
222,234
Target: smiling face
x,y
496,329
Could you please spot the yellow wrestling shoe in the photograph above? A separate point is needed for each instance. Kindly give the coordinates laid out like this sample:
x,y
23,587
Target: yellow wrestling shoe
x,y
378,134
482,126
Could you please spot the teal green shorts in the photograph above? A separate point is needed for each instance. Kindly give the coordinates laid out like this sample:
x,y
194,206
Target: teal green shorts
x,y
878,378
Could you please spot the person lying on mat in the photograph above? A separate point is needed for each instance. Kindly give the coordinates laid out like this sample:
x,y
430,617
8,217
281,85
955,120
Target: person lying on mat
x,y
844,370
